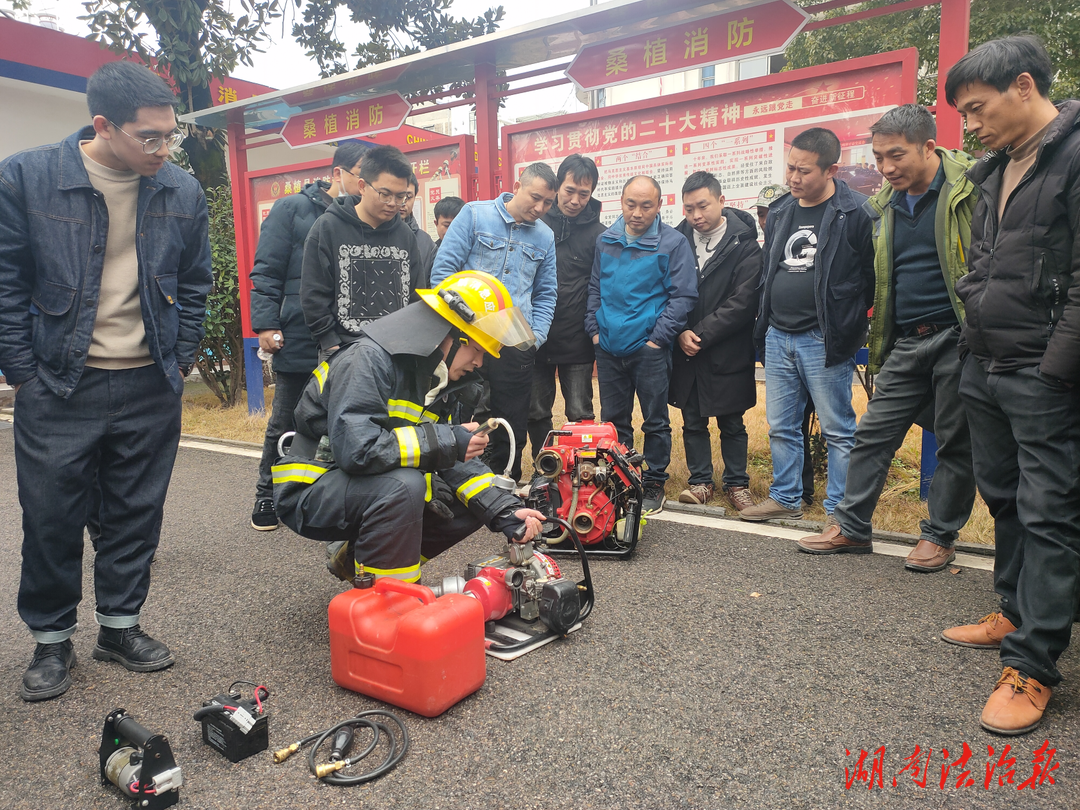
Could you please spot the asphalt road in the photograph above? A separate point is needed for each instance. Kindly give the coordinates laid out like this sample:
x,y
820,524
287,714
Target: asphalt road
x,y
719,670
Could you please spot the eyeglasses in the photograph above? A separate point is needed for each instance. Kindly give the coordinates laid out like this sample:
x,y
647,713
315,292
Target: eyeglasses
x,y
152,145
387,196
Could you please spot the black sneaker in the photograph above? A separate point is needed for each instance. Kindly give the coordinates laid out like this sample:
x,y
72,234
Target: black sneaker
x,y
49,673
263,517
653,502
133,648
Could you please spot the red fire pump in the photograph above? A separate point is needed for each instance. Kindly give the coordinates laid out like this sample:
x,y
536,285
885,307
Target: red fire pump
x,y
587,478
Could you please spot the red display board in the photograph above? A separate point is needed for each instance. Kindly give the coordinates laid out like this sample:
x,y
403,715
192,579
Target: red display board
x,y
740,132
353,120
444,167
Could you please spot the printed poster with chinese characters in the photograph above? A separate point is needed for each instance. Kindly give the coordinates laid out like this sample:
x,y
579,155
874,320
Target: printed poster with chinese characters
x,y
268,189
440,172
740,132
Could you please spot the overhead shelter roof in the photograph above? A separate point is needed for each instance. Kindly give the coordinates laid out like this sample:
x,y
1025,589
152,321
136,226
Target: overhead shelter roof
x,y
525,46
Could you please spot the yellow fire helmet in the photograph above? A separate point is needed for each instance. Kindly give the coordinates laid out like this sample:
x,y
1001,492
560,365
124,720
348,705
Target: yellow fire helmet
x,y
481,307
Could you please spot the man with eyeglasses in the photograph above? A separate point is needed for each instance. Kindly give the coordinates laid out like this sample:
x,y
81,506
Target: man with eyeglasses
x,y
423,239
360,259
104,272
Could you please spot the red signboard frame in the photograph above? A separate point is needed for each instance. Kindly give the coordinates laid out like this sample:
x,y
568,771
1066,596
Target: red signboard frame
x,y
904,63
647,56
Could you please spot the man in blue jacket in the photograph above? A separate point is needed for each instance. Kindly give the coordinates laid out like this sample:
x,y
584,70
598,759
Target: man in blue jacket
x,y
818,284
643,287
104,272
276,315
507,238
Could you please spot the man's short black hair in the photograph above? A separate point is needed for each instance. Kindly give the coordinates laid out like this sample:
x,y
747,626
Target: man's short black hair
x,y
582,169
822,142
911,121
702,180
541,171
413,183
348,155
998,63
448,207
385,160
117,91
626,185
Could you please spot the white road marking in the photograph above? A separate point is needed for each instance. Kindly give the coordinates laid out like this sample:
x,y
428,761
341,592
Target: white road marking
x,y
785,533
220,448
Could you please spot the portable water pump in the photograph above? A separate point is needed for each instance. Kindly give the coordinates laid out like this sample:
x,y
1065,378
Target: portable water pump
x,y
590,480
526,600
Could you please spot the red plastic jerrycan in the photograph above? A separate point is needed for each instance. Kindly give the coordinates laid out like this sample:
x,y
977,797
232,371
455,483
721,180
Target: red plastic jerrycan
x,y
397,643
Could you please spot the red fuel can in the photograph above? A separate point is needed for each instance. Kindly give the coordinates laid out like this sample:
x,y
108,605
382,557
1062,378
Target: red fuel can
x,y
397,643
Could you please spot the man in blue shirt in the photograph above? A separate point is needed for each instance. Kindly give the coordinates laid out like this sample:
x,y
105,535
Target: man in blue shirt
x,y
643,287
506,238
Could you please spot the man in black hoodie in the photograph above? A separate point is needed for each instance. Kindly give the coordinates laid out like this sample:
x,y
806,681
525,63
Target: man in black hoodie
x,y
575,220
360,257
276,316
712,370
1021,347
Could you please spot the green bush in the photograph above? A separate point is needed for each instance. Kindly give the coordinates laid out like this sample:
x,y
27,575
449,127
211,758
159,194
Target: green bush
x,y
221,353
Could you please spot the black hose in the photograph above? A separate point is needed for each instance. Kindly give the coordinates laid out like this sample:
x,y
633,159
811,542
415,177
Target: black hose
x,y
397,746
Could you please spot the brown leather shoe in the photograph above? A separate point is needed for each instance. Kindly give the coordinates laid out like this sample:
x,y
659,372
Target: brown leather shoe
x,y
929,557
985,634
1016,706
831,541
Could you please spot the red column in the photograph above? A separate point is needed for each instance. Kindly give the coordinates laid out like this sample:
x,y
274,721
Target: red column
x,y
953,43
487,130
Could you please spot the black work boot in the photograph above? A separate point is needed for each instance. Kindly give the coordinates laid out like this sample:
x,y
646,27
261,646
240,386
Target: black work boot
x,y
134,649
49,673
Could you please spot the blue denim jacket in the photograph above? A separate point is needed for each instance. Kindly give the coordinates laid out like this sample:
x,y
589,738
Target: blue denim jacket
x,y
484,236
53,228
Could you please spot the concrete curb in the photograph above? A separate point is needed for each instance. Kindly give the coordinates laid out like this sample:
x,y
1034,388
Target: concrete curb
x,y
721,513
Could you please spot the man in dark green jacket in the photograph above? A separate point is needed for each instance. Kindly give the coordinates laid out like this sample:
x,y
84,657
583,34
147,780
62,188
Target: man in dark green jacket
x,y
922,227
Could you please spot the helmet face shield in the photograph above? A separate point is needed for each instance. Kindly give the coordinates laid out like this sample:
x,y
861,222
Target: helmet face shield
x,y
507,326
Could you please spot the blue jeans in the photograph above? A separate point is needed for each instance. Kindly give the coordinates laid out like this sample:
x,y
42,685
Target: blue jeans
x,y
646,372
795,366
575,379
123,427
1026,450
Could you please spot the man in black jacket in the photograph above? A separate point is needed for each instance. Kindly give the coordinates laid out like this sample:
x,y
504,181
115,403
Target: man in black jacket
x,y
424,242
1021,338
712,371
575,220
360,258
276,315
818,284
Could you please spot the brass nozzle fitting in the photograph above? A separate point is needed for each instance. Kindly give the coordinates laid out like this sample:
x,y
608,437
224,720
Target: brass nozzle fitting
x,y
330,767
284,753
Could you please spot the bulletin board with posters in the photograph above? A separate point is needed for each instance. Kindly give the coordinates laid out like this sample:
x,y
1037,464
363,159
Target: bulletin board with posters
x,y
444,167
740,131
270,185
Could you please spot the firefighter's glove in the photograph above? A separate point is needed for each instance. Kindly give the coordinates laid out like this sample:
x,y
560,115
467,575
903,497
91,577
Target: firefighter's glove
x,y
440,498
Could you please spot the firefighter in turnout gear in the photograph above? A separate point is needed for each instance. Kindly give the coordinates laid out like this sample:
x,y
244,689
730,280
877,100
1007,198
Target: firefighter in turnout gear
x,y
384,465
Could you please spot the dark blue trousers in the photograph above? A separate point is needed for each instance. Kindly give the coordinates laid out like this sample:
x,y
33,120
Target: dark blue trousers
x,y
123,427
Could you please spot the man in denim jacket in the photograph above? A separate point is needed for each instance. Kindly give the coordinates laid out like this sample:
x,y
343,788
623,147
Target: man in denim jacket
x,y
506,238
104,272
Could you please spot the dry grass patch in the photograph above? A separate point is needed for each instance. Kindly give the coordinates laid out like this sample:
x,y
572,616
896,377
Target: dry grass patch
x,y
899,509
